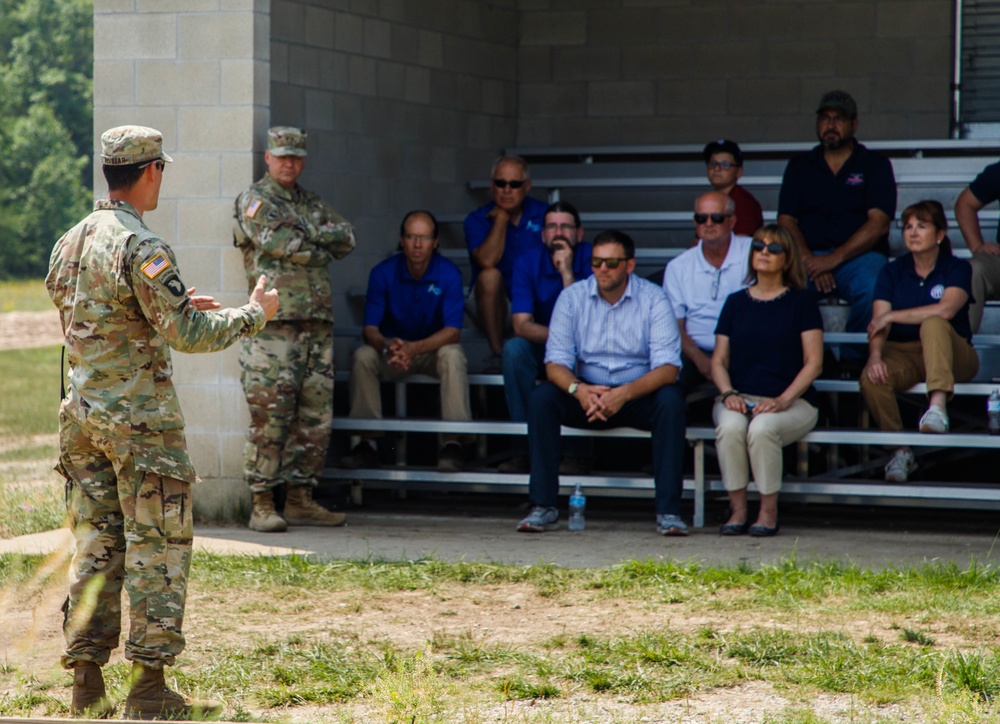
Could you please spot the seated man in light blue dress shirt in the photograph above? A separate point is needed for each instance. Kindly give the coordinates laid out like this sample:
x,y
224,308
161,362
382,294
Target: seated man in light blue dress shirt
x,y
612,360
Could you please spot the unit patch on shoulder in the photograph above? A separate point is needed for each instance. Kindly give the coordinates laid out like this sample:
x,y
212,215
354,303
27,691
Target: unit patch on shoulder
x,y
155,266
253,208
174,284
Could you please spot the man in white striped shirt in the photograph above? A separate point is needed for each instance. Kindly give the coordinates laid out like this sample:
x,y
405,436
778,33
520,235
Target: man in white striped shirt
x,y
612,360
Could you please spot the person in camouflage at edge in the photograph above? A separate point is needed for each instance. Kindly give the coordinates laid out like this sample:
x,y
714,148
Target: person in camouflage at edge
x,y
122,305
291,235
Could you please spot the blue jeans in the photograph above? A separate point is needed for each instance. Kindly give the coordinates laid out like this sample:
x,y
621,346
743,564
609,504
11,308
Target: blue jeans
x,y
856,285
523,365
663,413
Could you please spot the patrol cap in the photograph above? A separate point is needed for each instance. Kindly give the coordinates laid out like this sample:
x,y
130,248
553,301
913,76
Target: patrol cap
x,y
838,100
723,145
286,141
128,145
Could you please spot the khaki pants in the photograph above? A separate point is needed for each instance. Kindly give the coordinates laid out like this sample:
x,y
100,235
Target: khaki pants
x,y
941,358
985,285
448,364
743,442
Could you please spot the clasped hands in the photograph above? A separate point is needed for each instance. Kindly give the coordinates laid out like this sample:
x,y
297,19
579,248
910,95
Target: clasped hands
x,y
600,402
399,354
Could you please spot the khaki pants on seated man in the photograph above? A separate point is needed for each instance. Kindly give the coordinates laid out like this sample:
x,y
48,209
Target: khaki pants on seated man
x,y
448,364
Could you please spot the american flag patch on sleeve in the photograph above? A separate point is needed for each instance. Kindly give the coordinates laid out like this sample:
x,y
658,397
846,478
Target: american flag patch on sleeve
x,y
155,266
253,208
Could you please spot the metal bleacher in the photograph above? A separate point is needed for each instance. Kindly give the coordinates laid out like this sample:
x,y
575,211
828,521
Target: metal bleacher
x,y
649,191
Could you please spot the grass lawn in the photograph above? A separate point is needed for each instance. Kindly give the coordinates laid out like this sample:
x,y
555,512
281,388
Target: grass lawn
x,y
24,296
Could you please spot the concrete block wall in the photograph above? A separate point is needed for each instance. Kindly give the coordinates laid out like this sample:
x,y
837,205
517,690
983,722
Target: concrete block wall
x,y
199,71
684,71
404,101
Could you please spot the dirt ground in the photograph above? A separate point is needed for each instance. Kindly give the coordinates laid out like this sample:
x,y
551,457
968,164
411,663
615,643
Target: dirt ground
x,y
29,329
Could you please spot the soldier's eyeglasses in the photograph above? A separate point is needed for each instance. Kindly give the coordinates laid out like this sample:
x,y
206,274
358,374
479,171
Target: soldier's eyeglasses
x,y
502,183
772,248
159,164
610,261
716,218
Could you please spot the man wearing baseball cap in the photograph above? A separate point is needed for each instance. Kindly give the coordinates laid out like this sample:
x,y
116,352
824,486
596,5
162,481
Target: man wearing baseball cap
x,y
837,201
291,235
724,167
122,305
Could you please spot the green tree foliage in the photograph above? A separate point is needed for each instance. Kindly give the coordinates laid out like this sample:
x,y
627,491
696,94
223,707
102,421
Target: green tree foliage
x,y
46,103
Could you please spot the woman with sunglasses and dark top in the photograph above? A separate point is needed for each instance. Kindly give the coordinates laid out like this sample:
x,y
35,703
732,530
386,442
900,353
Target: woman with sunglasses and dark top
x,y
768,352
920,330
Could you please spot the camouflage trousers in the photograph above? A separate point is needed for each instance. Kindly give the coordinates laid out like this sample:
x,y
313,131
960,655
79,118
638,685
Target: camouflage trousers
x,y
288,381
133,528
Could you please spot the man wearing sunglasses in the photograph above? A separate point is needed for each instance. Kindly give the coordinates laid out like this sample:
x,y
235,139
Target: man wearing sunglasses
x,y
497,235
291,235
539,278
121,431
612,360
699,280
837,201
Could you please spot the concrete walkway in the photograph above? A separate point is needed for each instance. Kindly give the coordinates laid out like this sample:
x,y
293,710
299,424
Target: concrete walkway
x,y
394,534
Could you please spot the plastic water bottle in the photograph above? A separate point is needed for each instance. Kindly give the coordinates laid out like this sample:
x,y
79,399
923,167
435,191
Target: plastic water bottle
x,y
577,502
993,412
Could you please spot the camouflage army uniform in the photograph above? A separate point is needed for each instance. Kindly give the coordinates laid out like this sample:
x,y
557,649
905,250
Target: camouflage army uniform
x,y
291,236
122,447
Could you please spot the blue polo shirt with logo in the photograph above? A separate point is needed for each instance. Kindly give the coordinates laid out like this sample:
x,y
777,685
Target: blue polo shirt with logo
x,y
520,239
829,208
412,309
537,283
899,284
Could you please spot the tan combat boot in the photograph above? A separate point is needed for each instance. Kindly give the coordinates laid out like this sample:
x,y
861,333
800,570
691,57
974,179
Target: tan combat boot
x,y
150,699
264,518
301,509
90,699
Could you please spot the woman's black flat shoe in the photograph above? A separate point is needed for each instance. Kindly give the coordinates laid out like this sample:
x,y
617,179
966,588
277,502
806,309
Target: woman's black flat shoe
x,y
734,528
762,531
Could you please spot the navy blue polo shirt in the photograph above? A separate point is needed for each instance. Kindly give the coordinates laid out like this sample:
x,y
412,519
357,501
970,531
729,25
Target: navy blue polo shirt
x,y
986,187
830,208
899,285
520,239
412,309
537,283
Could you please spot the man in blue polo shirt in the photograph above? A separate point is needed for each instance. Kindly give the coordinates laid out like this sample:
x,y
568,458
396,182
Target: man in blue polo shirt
x,y
413,320
540,275
837,201
497,235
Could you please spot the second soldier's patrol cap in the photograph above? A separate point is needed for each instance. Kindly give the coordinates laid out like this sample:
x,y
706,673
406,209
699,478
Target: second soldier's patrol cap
x,y
129,145
286,141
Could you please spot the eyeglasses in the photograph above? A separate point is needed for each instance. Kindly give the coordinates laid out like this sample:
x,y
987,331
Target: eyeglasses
x,y
159,164
503,183
559,227
418,237
716,218
772,248
610,261
724,165
836,118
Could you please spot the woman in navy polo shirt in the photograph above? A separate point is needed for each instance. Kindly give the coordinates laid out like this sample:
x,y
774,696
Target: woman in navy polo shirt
x,y
768,352
919,330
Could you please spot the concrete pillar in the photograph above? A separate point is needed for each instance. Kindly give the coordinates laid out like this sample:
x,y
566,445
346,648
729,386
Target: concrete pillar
x,y
199,71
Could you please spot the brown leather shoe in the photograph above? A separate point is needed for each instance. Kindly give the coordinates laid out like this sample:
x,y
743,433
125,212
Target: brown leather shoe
x,y
150,698
264,518
90,699
301,509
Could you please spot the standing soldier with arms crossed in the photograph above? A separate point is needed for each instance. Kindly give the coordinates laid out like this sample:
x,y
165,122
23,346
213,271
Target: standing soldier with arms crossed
x,y
291,235
122,305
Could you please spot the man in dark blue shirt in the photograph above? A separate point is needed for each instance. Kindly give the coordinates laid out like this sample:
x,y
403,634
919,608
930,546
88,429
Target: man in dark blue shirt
x,y
837,201
413,321
540,275
497,235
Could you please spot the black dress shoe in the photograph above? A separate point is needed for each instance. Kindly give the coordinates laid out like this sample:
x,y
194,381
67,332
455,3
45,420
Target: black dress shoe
x,y
762,531
734,528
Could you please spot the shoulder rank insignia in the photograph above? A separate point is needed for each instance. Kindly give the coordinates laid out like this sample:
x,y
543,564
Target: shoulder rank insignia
x,y
155,266
253,208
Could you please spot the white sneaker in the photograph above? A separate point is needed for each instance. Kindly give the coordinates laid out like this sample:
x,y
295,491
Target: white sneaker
x,y
935,420
900,466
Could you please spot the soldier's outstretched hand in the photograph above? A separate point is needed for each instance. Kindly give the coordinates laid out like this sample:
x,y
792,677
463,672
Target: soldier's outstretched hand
x,y
267,300
202,302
